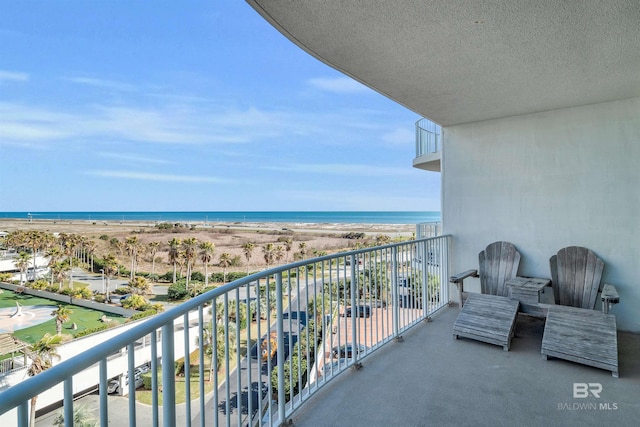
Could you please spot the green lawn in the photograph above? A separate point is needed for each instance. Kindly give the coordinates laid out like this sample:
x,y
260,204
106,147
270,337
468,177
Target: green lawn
x,y
84,318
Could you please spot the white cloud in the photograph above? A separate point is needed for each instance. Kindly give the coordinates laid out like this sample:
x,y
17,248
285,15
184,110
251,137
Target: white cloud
x,y
346,169
101,83
154,177
13,76
133,158
400,137
339,85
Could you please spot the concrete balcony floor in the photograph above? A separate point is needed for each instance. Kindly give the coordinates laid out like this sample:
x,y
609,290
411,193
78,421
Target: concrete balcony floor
x,y
432,379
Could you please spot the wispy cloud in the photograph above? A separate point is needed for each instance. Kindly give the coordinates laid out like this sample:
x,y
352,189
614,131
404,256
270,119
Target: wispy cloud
x,y
338,85
400,136
13,76
133,158
154,176
346,169
101,83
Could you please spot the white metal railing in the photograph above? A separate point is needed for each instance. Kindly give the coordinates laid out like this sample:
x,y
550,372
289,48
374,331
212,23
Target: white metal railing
x,y
278,337
428,229
428,137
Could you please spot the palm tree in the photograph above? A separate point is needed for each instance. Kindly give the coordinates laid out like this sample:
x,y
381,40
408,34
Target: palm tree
x,y
189,246
62,315
82,417
174,254
91,250
302,247
288,245
110,267
139,286
153,249
131,245
206,253
42,354
268,253
22,262
278,253
54,254
247,248
58,271
225,261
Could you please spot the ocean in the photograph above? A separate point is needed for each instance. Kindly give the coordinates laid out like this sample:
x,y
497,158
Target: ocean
x,y
322,217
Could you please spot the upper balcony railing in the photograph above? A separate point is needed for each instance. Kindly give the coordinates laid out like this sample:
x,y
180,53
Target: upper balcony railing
x,y
271,339
428,137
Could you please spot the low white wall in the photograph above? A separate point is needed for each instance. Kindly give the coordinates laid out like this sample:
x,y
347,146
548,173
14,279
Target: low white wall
x,y
545,181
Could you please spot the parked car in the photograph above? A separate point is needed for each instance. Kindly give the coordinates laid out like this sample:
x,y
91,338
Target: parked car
x,y
360,311
346,351
114,384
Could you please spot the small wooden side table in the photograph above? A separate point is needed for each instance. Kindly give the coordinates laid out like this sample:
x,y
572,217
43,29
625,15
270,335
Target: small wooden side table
x,y
527,290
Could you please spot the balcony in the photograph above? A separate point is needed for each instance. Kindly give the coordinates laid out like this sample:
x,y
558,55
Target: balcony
x,y
280,337
365,333
428,146
431,379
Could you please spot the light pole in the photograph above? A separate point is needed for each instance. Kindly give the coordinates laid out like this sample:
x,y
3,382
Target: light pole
x,y
102,271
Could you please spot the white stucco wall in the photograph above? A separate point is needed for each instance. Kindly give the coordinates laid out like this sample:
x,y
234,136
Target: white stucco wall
x,y
549,180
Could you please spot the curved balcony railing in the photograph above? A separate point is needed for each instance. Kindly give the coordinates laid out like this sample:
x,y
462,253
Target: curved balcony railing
x,y
278,337
428,137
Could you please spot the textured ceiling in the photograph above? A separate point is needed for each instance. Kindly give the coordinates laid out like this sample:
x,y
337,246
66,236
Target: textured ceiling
x,y
469,60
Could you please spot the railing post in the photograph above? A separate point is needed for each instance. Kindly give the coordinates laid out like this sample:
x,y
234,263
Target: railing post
x,y
355,312
168,376
102,392
187,367
154,378
68,402
422,250
394,291
280,350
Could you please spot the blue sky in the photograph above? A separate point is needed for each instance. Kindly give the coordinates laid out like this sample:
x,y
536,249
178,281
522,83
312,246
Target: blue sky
x,y
199,105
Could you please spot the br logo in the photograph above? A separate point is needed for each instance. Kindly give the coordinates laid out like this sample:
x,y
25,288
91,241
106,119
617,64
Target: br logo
x,y
583,390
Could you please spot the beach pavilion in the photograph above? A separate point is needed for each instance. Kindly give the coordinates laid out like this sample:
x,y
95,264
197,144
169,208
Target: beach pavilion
x,y
537,104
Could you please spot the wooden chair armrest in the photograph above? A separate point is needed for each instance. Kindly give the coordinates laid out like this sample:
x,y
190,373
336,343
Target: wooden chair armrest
x,y
458,279
609,296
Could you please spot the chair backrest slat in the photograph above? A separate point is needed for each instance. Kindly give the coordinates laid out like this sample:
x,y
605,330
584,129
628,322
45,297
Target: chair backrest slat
x,y
576,273
498,263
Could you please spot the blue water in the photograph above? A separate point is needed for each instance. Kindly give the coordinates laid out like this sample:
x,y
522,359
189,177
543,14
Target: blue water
x,y
277,216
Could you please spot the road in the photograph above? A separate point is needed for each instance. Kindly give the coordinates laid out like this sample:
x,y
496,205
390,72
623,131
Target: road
x,y
295,321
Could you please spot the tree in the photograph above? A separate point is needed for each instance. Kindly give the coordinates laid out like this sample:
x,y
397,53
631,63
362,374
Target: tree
x,y
91,246
135,302
302,248
131,245
22,262
189,246
82,417
288,245
153,250
42,353
174,254
247,248
278,253
139,286
225,261
268,251
110,267
206,253
62,315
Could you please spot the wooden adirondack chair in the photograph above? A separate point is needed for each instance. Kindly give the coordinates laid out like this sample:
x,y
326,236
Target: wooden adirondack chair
x,y
490,316
574,330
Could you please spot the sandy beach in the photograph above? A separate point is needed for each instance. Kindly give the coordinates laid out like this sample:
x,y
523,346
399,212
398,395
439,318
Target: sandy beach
x,y
227,237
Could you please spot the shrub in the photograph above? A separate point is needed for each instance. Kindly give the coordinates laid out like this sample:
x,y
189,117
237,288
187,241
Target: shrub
x,y
99,298
177,291
196,275
40,285
135,302
121,291
104,237
90,331
142,315
166,277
